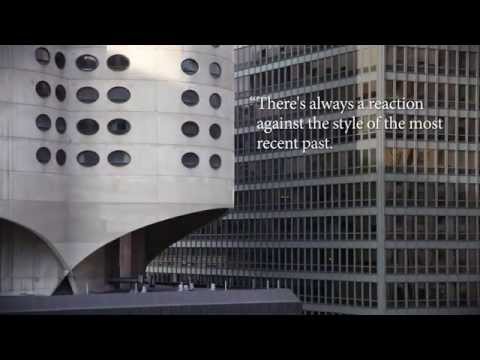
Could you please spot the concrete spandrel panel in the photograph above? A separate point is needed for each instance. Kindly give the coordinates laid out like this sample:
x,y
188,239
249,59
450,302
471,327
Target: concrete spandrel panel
x,y
44,187
7,85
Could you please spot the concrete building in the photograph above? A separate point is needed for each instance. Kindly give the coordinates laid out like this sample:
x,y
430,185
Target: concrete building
x,y
108,154
385,223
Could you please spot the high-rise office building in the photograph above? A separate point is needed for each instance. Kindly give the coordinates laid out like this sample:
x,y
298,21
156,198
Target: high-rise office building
x,y
387,222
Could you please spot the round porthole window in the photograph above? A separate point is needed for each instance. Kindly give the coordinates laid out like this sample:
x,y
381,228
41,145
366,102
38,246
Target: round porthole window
x,y
119,158
190,129
215,161
43,155
43,89
87,62
215,70
61,125
42,55
87,126
190,98
215,101
118,94
190,160
87,95
118,62
43,122
88,158
189,66
61,157
215,131
60,93
118,126
60,60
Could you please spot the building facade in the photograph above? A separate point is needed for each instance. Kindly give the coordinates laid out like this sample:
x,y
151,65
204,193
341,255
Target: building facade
x,y
108,155
387,222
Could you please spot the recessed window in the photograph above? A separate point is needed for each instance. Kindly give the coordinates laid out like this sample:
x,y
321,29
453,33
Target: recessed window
x,y
43,122
87,95
118,94
215,101
215,161
190,129
118,126
216,46
87,126
60,60
215,131
119,158
118,62
87,62
215,70
61,125
190,160
88,158
42,55
43,89
190,98
61,157
43,155
60,92
189,66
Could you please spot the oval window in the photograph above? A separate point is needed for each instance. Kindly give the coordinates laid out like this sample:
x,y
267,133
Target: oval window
x,y
190,129
215,131
118,95
216,46
190,160
60,60
43,122
87,62
88,158
42,55
215,70
119,158
43,89
61,125
87,126
43,155
215,161
189,66
87,95
60,92
215,101
118,62
190,98
61,157
118,126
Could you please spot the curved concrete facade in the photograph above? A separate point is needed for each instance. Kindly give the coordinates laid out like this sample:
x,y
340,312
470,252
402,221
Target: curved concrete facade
x,y
77,210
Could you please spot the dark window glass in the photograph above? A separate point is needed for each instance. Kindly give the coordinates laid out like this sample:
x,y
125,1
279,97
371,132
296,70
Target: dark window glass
x,y
87,126
87,62
60,60
190,160
215,70
118,62
43,122
61,125
215,101
43,155
61,157
87,95
118,94
119,158
215,131
43,89
60,92
88,158
189,66
42,55
190,129
190,98
215,161
118,126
